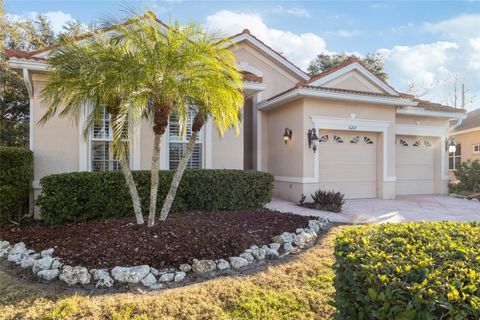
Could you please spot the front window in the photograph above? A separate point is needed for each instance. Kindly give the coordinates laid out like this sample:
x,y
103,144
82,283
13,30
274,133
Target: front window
x,y
454,158
177,144
476,148
101,140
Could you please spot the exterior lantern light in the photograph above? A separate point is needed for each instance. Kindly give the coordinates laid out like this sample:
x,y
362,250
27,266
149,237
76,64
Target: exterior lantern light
x,y
450,145
312,139
287,136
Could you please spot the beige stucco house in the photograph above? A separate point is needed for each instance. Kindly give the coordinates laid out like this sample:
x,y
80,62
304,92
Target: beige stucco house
x,y
467,140
372,140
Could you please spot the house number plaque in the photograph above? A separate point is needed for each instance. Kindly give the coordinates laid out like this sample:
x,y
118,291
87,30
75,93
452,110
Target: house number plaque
x,y
352,127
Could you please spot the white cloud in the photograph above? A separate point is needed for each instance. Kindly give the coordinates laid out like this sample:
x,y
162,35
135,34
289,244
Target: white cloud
x,y
300,12
299,48
463,26
56,18
342,33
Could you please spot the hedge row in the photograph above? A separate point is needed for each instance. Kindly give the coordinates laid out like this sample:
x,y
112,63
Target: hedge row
x,y
16,174
81,196
409,271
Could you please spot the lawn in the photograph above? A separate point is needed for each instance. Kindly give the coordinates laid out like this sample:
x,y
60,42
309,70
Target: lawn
x,y
300,287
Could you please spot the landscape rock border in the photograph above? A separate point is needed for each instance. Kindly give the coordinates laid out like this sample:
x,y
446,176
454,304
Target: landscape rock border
x,y
48,268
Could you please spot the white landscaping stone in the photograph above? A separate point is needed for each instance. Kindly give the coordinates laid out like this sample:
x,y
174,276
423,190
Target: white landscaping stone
x,y
17,253
130,274
270,252
27,261
156,286
185,267
238,262
167,277
18,248
4,244
203,266
179,276
103,278
284,237
247,256
313,224
5,251
154,271
149,280
48,275
56,264
47,252
258,253
288,247
44,263
274,246
304,239
73,275
222,264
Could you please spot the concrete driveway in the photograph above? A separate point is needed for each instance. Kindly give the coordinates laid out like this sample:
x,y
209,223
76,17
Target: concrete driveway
x,y
402,209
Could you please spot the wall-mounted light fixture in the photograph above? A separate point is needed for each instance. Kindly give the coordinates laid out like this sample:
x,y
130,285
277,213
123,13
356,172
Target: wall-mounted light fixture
x,y
450,145
287,136
312,139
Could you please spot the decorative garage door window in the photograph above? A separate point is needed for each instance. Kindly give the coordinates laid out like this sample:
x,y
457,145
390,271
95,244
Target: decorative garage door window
x,y
416,143
427,144
367,140
403,143
343,138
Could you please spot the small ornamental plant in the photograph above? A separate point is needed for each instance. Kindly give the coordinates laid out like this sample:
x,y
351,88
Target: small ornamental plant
x,y
328,200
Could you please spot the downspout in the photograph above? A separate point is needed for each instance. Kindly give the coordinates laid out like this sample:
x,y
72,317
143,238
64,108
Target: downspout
x,y
29,85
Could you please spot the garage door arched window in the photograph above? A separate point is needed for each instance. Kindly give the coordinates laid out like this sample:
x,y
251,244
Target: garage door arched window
x,y
367,140
455,158
337,139
403,143
355,139
416,143
323,138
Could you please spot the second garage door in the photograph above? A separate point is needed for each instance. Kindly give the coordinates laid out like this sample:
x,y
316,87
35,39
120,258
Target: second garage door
x,y
348,163
415,165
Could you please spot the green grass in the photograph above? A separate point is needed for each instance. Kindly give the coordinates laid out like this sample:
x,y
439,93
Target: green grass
x,y
301,288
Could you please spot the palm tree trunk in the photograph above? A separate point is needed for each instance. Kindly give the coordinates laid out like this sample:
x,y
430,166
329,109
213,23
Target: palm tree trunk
x,y
177,177
154,180
137,207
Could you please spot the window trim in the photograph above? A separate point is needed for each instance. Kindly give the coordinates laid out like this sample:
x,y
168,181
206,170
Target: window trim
x,y
454,156
473,148
89,150
201,141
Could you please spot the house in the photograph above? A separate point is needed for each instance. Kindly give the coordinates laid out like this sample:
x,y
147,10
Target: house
x,y
467,141
371,141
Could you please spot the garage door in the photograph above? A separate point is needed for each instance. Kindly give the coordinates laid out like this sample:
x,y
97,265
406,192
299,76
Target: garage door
x,y
415,165
348,163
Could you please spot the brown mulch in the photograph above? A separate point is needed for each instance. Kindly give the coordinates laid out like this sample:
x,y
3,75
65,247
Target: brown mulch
x,y
180,239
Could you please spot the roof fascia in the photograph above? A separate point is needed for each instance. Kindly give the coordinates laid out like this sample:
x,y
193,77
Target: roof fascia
x,y
428,113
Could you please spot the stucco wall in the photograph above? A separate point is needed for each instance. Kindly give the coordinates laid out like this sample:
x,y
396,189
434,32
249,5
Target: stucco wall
x,y
467,140
353,80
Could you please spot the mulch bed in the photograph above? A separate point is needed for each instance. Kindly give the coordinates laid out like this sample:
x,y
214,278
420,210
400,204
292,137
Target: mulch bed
x,y
180,239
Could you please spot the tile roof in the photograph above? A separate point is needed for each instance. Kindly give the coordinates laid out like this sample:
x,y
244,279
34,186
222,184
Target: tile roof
x,y
472,121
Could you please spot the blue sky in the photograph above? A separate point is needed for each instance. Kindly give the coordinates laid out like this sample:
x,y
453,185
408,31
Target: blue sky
x,y
425,43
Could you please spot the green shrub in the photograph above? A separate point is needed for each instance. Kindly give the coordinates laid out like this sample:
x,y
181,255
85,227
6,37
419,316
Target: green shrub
x,y
468,177
328,200
81,196
16,174
408,271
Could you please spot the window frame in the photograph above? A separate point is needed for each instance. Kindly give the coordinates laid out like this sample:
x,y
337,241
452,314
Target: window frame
x,y
478,147
90,141
184,141
455,156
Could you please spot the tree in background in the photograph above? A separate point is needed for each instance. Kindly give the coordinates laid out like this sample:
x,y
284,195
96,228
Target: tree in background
x,y
23,35
373,61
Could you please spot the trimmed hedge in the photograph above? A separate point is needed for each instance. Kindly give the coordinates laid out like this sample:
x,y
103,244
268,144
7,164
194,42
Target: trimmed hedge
x,y
81,196
409,271
16,174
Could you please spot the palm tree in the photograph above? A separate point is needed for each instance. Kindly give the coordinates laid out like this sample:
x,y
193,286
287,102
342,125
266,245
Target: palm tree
x,y
79,83
174,67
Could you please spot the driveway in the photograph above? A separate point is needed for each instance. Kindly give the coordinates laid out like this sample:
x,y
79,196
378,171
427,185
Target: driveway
x,y
402,209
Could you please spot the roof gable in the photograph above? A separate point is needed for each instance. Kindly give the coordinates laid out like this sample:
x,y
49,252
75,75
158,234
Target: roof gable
x,y
245,35
352,73
471,122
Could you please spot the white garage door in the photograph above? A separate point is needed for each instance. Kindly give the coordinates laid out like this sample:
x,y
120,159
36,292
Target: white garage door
x,y
415,165
348,163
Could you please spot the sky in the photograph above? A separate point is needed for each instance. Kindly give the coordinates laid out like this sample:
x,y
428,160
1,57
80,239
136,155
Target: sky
x,y
427,44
